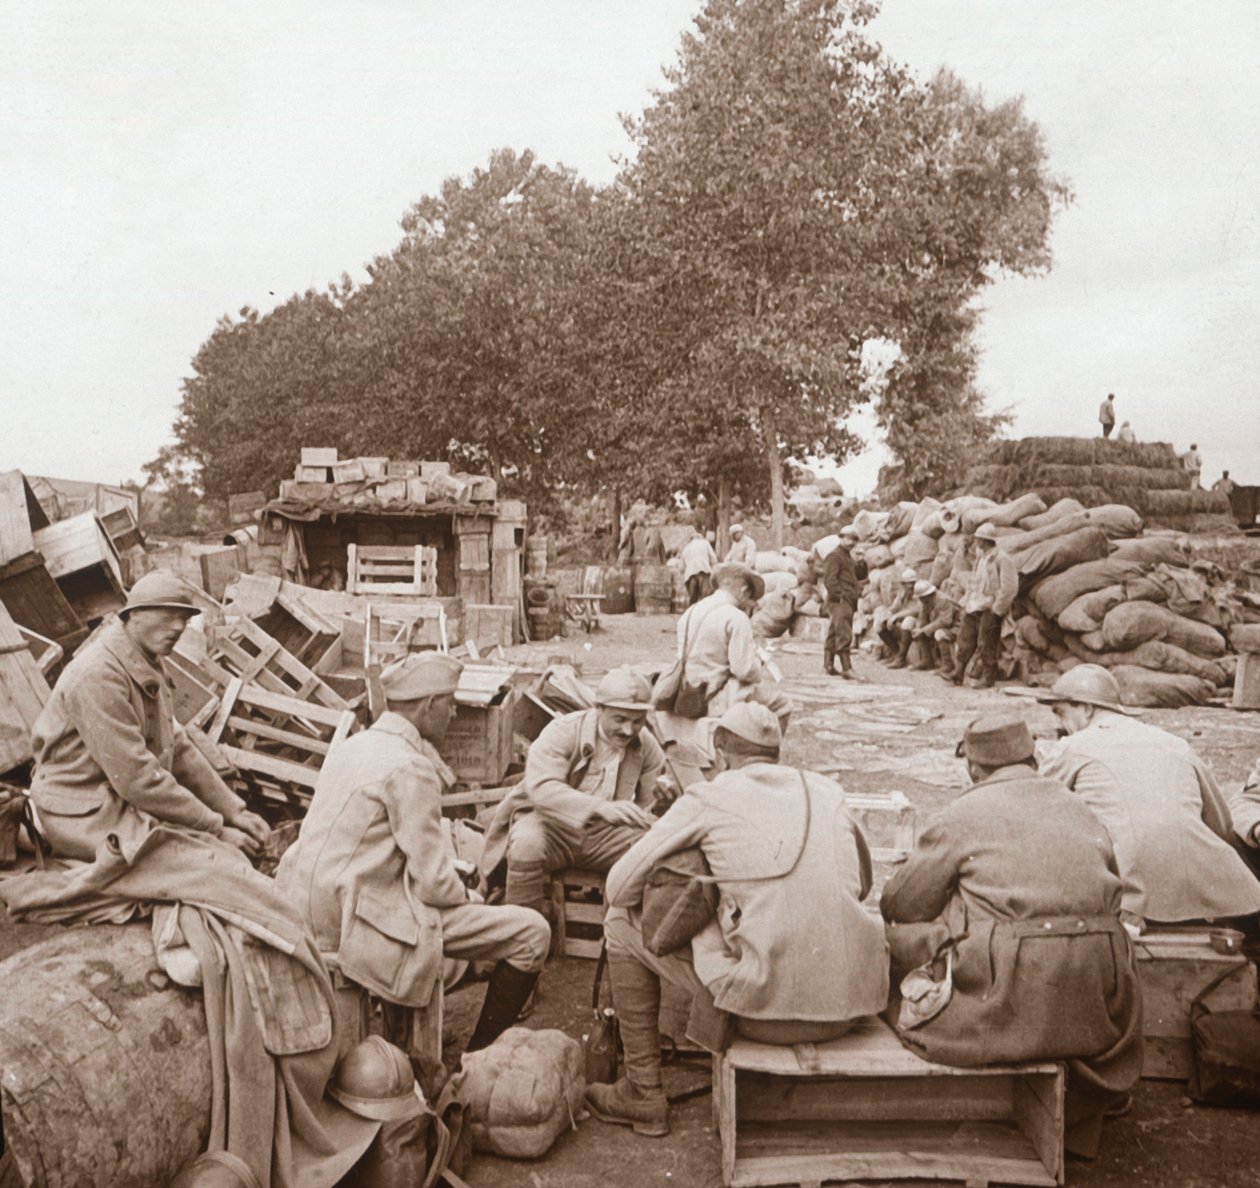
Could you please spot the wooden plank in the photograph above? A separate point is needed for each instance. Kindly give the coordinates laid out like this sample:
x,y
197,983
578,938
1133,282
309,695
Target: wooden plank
x,y
766,1098
280,769
293,706
226,704
275,734
16,538
1038,1111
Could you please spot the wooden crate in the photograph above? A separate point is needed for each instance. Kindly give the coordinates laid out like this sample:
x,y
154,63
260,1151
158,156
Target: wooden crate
x,y
887,820
374,467
864,1108
478,743
1174,965
243,649
37,602
396,468
219,569
15,519
430,470
577,913
488,626
319,456
23,694
391,569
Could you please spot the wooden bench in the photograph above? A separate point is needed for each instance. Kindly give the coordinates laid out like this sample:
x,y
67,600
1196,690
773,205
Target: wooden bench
x,y
577,924
864,1108
1174,965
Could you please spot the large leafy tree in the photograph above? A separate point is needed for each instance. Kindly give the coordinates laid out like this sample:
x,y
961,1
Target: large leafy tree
x,y
804,193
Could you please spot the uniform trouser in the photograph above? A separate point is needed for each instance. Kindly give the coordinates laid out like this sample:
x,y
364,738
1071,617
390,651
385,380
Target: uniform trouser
x,y
539,844
1107,428
980,631
505,932
839,634
697,588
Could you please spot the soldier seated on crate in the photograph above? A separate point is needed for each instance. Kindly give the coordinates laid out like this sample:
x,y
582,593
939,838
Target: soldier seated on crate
x,y
1171,826
792,955
110,758
374,877
591,779
1004,926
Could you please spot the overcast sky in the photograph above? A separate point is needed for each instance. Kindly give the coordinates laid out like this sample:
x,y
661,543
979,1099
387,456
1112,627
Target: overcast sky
x,y
162,165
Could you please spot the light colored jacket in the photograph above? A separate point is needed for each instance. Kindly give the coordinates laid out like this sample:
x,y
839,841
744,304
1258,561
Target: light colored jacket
x,y
107,746
1166,816
556,764
720,644
371,869
743,552
796,947
993,584
697,557
1107,412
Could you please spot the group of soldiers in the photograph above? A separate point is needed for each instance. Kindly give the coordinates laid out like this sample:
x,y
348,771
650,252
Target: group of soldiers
x,y
1005,936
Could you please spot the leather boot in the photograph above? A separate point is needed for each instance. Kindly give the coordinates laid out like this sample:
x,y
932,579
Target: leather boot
x,y
637,1099
506,993
829,659
945,651
902,657
927,655
846,666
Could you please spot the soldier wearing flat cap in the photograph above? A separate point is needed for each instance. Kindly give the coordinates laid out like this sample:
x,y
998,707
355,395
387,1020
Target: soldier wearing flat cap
x,y
110,758
1012,896
792,954
591,779
374,876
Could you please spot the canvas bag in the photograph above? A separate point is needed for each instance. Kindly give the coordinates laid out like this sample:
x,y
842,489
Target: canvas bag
x,y
673,693
681,895
1225,1047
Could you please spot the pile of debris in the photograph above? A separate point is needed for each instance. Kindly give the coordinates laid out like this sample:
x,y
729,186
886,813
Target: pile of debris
x,y
322,479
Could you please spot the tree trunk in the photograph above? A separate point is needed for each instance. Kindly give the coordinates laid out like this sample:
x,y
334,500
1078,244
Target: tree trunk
x,y
770,428
723,516
614,516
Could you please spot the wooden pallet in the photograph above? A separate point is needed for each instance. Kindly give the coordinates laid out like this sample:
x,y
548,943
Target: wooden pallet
x,y
577,923
864,1108
391,569
1174,965
244,650
276,737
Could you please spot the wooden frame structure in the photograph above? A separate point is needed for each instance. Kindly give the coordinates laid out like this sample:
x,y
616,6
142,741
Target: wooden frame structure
x,y
241,649
391,569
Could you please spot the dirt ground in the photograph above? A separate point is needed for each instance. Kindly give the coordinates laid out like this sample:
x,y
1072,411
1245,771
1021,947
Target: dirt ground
x,y
895,731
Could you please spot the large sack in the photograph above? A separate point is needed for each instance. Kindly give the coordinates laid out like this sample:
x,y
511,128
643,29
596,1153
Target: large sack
x,y
900,519
867,524
795,555
928,511
779,581
1167,690
1056,511
1131,623
1062,552
920,549
1116,520
1086,613
930,525
1023,540
1183,590
773,615
1039,636
770,561
1153,550
1157,656
1246,637
1051,595
522,1091
876,556
1004,515
953,511
949,548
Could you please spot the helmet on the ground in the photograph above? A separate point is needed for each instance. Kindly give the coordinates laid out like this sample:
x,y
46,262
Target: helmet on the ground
x,y
374,1080
215,1169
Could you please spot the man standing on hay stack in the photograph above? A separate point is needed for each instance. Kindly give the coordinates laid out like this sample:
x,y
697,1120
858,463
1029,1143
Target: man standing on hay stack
x,y
1107,414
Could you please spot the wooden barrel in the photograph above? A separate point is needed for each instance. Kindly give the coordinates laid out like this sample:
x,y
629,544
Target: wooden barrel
x,y
653,589
618,591
106,1066
536,556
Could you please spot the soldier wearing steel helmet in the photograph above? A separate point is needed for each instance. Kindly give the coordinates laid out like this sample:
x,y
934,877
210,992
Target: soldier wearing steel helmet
x,y
110,758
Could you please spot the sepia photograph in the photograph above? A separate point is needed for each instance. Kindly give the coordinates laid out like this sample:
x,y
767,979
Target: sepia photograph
x,y
630,593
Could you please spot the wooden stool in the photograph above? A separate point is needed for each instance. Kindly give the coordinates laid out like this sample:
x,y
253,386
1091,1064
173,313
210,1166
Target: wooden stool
x,y
579,914
862,1107
1174,965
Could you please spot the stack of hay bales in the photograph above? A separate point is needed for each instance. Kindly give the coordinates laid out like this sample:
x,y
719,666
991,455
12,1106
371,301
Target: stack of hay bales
x,y
1146,476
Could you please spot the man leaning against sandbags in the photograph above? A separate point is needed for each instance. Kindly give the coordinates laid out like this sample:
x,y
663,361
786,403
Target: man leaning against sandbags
x,y
991,590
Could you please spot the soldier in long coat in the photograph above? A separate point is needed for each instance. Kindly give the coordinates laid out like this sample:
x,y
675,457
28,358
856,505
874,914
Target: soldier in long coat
x,y
786,855
110,758
1012,892
373,876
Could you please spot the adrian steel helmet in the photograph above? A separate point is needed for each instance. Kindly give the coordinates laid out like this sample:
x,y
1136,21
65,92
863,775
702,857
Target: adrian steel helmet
x,y
215,1169
374,1080
1087,684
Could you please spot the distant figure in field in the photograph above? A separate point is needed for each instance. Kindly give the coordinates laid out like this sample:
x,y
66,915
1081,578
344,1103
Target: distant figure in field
x,y
1225,485
1126,433
1107,414
743,550
1194,464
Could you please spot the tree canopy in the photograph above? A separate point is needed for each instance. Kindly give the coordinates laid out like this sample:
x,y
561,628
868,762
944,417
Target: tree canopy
x,y
792,194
